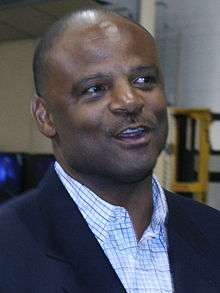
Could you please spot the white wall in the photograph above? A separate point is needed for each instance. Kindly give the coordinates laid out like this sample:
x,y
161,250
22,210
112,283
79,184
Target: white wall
x,y
147,15
17,130
188,33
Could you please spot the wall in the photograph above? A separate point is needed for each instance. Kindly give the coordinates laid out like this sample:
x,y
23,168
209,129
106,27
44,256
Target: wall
x,y
17,129
147,15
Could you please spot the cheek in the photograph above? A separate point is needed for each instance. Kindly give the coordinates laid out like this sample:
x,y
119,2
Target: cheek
x,y
159,99
157,105
87,117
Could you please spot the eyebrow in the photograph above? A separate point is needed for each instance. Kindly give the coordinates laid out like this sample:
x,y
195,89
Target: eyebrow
x,y
144,69
137,69
108,76
82,82
98,75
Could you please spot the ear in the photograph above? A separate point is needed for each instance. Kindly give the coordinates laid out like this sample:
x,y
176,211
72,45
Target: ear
x,y
43,117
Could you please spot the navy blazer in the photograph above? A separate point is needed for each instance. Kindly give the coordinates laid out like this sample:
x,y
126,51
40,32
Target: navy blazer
x,y
47,247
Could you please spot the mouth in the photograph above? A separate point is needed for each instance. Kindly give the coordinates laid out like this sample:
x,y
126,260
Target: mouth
x,y
137,136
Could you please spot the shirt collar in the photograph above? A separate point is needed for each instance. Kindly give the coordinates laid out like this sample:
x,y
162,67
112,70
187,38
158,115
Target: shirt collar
x,y
98,213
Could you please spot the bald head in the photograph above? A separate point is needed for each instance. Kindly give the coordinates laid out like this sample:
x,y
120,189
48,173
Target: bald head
x,y
80,25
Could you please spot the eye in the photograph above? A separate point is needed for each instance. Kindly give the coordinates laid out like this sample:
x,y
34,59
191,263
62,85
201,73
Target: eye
x,y
95,90
145,82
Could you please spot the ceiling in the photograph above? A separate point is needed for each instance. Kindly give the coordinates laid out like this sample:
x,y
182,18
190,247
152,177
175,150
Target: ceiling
x,y
21,19
29,19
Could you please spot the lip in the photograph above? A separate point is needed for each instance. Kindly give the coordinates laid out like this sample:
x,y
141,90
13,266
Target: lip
x,y
134,135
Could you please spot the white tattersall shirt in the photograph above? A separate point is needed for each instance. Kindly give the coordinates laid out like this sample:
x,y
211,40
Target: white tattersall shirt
x,y
142,266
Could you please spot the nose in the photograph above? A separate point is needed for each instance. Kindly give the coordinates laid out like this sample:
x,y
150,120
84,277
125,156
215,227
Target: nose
x,y
125,100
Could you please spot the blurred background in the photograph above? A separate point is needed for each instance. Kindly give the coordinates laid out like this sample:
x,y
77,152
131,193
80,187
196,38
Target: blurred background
x,y
188,37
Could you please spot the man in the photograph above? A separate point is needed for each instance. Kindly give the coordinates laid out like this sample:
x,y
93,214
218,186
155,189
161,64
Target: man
x,y
100,221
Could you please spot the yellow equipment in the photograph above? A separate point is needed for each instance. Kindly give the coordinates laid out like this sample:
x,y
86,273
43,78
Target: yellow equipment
x,y
191,151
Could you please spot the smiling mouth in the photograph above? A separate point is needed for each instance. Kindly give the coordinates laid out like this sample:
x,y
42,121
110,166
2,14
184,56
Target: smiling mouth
x,y
135,135
132,132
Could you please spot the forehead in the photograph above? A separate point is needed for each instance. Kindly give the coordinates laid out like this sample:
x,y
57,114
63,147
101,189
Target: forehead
x,y
113,48
106,40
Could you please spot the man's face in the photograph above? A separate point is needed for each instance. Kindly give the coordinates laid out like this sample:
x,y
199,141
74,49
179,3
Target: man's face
x,y
107,101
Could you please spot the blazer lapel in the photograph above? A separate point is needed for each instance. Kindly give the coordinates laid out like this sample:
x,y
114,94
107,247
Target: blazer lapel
x,y
68,239
189,253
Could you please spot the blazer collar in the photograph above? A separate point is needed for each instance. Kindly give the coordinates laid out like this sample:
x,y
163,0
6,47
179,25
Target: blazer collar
x,y
190,253
68,239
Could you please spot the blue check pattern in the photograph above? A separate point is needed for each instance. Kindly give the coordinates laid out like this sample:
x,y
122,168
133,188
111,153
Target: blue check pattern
x,y
142,266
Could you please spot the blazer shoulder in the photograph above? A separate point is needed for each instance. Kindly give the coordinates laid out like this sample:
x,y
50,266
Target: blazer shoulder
x,y
189,203
27,202
12,227
204,216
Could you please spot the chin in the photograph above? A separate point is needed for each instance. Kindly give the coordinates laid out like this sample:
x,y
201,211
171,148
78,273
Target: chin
x,y
134,175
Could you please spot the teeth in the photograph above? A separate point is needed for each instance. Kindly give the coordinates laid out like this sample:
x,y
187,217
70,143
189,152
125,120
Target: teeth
x,y
133,130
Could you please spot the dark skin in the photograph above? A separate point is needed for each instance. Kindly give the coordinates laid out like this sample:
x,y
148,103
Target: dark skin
x,y
101,88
